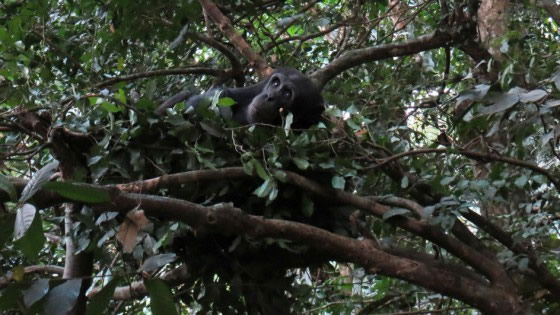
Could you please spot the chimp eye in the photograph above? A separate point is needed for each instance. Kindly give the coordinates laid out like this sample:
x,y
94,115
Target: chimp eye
x,y
287,93
275,82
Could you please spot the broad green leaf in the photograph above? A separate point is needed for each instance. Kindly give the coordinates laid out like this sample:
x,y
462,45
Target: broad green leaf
x,y
120,96
6,186
155,262
110,107
226,102
532,96
38,181
521,181
502,102
100,301
78,192
265,188
37,291
24,218
338,182
260,170
395,212
161,298
404,182
302,164
29,237
62,298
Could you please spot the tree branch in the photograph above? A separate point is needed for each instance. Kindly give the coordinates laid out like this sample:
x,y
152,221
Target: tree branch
x,y
472,256
357,57
224,24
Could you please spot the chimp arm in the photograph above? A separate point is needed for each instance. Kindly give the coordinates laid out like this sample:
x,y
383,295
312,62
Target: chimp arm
x,y
285,90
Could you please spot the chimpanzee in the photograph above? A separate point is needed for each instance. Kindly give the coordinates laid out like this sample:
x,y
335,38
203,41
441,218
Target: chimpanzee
x,y
286,90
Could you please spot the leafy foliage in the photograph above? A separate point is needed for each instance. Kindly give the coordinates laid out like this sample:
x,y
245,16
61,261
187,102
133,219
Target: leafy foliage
x,y
455,136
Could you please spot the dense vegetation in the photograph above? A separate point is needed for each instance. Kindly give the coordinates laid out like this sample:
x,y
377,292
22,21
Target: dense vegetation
x,y
430,185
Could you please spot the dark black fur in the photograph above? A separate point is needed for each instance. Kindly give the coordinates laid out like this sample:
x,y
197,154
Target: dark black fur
x,y
286,90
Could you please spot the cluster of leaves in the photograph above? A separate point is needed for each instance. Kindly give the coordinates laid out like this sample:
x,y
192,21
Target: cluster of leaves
x,y
52,53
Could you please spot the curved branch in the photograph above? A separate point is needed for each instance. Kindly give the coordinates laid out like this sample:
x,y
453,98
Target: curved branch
x,y
230,220
544,276
225,218
224,24
357,57
5,280
487,266
236,67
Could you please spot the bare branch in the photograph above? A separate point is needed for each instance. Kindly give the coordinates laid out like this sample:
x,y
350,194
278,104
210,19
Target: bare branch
x,y
357,57
224,24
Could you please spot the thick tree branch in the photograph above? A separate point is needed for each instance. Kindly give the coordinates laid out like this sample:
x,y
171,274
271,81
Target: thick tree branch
x,y
50,269
224,24
544,276
472,256
226,219
357,57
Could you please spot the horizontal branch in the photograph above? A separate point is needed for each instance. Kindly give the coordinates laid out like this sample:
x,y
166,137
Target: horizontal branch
x,y
228,220
357,57
51,269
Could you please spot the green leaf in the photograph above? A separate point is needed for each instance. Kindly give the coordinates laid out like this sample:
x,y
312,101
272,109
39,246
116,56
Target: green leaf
x,y
38,181
307,206
445,181
302,164
110,107
521,181
61,299
120,96
161,298
78,192
265,188
281,176
100,301
260,170
7,186
24,218
501,103
338,182
404,182
226,102
29,237
395,212
155,262
532,96
35,292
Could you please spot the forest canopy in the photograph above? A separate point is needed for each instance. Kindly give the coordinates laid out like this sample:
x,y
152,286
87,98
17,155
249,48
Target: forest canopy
x,y
429,184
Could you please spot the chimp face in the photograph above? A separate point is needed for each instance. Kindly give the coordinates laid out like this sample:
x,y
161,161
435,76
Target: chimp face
x,y
276,97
